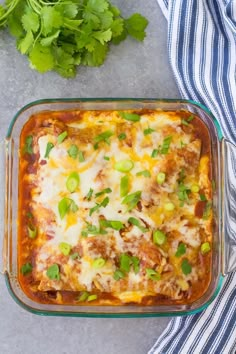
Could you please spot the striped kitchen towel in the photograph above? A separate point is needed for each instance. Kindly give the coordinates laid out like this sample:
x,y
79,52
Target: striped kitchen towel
x,y
202,54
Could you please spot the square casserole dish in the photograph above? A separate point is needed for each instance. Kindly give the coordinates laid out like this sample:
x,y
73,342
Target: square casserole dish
x,y
223,173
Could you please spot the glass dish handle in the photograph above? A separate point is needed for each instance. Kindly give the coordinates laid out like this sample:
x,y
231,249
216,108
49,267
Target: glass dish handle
x,y
228,190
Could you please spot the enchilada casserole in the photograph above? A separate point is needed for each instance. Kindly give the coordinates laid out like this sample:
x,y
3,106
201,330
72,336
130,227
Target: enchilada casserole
x,y
115,207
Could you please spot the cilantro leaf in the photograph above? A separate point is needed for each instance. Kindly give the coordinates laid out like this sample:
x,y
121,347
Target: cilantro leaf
x,y
103,37
51,19
30,21
97,5
47,41
25,43
136,25
41,58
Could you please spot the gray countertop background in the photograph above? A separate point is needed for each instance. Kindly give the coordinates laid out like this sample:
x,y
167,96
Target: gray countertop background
x,y
132,69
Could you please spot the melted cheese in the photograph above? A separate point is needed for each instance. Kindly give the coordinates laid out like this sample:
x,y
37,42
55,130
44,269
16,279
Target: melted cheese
x,y
98,174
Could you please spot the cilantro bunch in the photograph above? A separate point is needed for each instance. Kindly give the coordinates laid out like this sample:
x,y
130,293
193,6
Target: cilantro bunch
x,y
63,34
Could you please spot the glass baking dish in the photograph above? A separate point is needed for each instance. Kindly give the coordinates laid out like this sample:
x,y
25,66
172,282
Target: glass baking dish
x,y
223,174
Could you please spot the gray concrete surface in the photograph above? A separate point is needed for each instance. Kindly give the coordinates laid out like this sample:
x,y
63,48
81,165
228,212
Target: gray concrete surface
x,y
131,70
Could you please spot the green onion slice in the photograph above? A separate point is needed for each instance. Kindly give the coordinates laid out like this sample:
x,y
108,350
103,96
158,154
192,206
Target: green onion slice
x,y
26,268
152,274
114,224
118,274
132,200
92,297
98,263
73,151
61,137
124,186
75,255
166,145
136,264
137,223
104,191
148,131
186,267
90,193
81,156
49,147
65,248
161,177
122,136
181,250
32,231
107,158
72,182
65,205
125,262
53,272
28,147
124,165
205,247
83,296
132,117
159,237
154,153
103,137
144,173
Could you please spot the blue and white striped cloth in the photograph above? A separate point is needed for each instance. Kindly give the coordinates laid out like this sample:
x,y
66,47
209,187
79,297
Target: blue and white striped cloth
x,y
202,54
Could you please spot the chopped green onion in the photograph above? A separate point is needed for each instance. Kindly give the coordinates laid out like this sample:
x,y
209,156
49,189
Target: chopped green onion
x,y
124,186
154,153
83,297
73,151
184,122
190,118
159,237
181,176
104,191
124,165
136,264
205,247
106,158
90,193
118,274
183,193
202,197
92,297
32,231
166,145
53,272
98,206
75,255
65,248
122,136
207,210
114,224
72,182
125,262
181,250
61,137
81,156
26,268
161,177
130,116
152,274
49,147
148,131
186,267
132,200
169,206
144,173
136,222
92,230
65,205
29,215
28,148
103,137
98,263
195,188
182,144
